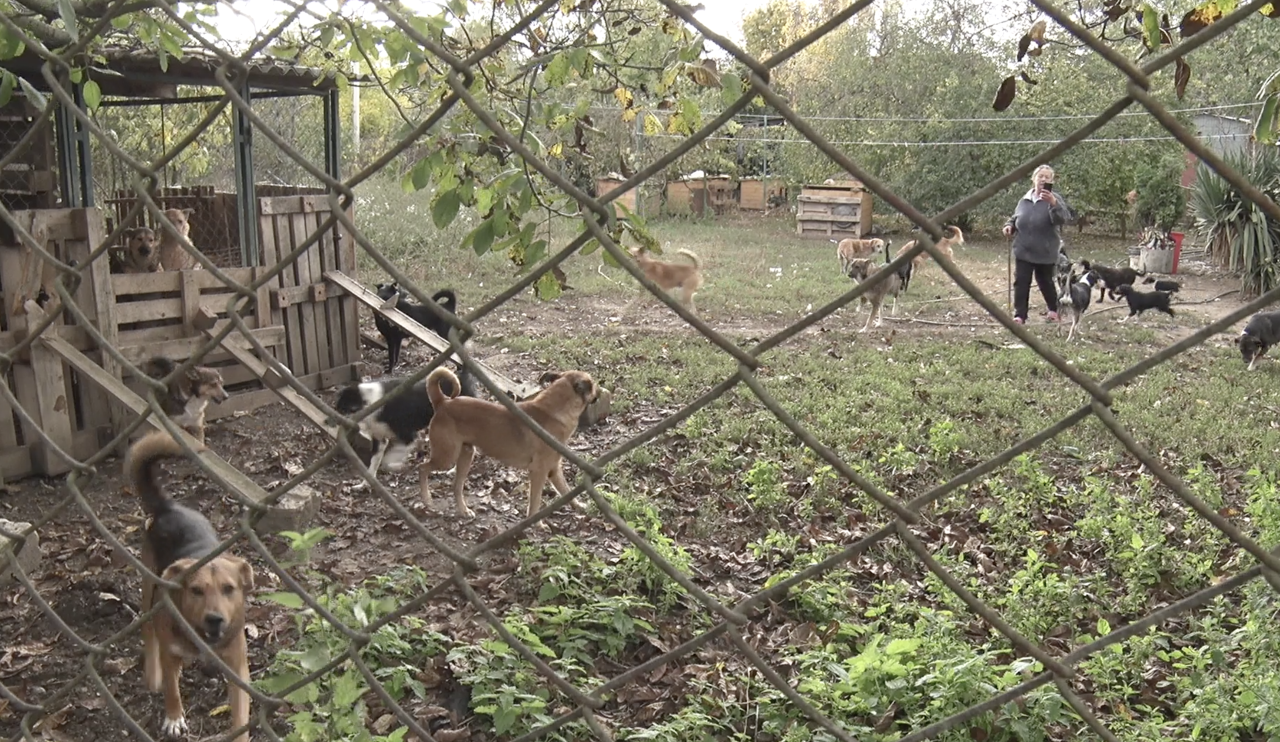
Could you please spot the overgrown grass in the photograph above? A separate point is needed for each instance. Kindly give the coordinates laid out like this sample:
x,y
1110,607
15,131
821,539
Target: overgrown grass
x,y
1068,542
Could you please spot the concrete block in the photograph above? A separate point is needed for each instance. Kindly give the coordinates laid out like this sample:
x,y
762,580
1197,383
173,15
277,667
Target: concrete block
x,y
293,512
28,556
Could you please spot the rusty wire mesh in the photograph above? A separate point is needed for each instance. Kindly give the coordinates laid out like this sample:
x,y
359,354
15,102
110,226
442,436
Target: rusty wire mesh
x,y
899,516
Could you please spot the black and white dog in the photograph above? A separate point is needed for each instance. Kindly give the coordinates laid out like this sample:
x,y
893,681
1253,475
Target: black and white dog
x,y
1077,297
1141,301
393,296
1262,332
395,426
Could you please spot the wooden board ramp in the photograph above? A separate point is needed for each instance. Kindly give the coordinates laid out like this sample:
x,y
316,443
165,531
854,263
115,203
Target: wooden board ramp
x,y
408,324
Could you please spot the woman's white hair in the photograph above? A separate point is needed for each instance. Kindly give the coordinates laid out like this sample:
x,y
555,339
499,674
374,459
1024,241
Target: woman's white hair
x,y
1043,168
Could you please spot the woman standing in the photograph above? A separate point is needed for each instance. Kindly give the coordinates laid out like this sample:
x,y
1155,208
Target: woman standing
x,y
1036,242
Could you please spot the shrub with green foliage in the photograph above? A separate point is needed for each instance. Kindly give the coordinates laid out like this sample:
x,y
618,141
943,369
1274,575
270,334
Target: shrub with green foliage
x,y
1239,234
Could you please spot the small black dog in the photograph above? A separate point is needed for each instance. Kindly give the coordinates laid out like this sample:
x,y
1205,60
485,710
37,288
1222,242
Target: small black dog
x,y
1168,286
1262,332
1112,278
1141,301
423,315
396,425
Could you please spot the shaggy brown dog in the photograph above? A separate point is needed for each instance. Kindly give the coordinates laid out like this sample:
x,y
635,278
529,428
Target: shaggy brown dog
x,y
460,425
211,600
849,250
671,275
952,236
172,255
141,254
189,394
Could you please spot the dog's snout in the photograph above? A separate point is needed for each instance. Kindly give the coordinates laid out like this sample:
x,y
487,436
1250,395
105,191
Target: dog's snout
x,y
213,623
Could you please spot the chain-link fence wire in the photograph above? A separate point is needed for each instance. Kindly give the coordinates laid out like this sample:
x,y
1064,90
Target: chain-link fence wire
x,y
729,619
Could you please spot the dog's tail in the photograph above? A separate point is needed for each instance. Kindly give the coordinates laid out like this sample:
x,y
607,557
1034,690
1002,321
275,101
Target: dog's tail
x,y
140,469
158,367
447,299
696,263
435,393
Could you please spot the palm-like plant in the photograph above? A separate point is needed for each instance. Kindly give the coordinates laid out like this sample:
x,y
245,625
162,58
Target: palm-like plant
x,y
1239,235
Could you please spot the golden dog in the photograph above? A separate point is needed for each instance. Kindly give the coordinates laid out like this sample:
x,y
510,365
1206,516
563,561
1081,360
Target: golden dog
x,y
688,277
849,250
211,600
172,255
952,237
862,269
460,425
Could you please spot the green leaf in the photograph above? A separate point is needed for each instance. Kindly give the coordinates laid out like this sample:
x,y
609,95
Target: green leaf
x,y
557,71
1150,27
482,237
484,200
7,83
92,95
731,89
445,208
68,14
902,646
548,287
286,599
35,96
1265,130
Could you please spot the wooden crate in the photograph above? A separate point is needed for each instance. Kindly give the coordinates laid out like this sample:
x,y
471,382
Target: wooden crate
x,y
627,199
305,323
722,194
833,211
756,194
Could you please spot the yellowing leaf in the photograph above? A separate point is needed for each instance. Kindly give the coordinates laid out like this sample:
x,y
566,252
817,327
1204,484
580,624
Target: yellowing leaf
x,y
624,96
629,114
652,125
557,150
1004,96
219,710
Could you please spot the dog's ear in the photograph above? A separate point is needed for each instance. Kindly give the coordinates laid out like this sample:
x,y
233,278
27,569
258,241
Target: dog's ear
x,y
130,233
173,571
585,388
548,377
188,212
244,572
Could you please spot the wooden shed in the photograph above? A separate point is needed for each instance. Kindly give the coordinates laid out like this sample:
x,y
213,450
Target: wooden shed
x,y
686,197
833,210
722,193
608,183
761,194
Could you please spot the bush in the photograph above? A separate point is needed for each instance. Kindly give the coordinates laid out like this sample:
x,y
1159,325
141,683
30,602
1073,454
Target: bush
x,y
1161,200
1240,235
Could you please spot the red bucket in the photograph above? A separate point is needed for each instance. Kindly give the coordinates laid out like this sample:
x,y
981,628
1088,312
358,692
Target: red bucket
x,y
1177,249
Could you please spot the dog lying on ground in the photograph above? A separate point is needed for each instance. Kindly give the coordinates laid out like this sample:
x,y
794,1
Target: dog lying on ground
x,y
848,250
1141,301
951,236
189,394
140,253
1112,278
394,297
668,276
396,425
1259,334
461,425
862,269
1076,299
173,257
1168,286
212,598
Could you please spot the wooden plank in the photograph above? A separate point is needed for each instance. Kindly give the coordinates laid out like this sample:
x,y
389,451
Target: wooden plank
x,y
409,325
95,405
271,245
811,199
182,348
15,462
326,260
52,403
346,251
815,218
127,284
24,380
138,405
373,341
253,363
150,310
8,425
190,300
311,335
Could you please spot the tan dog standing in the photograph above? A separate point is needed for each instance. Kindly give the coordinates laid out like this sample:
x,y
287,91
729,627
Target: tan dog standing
x,y
212,598
460,425
141,254
173,256
849,250
862,269
688,277
952,236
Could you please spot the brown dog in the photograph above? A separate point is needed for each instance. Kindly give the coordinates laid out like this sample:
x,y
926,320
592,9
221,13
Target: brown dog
x,y
172,254
189,394
688,277
462,424
211,600
849,250
952,237
141,254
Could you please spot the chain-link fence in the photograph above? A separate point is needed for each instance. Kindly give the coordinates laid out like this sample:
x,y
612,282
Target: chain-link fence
x,y
61,327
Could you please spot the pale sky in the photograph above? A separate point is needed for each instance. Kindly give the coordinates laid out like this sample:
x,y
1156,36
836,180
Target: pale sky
x,y
249,18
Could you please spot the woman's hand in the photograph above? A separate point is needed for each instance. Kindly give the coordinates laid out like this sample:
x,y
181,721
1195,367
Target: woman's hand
x,y
1008,230
1048,196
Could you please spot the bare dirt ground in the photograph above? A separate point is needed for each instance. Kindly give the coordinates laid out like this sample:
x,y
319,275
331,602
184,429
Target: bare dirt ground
x,y
96,595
